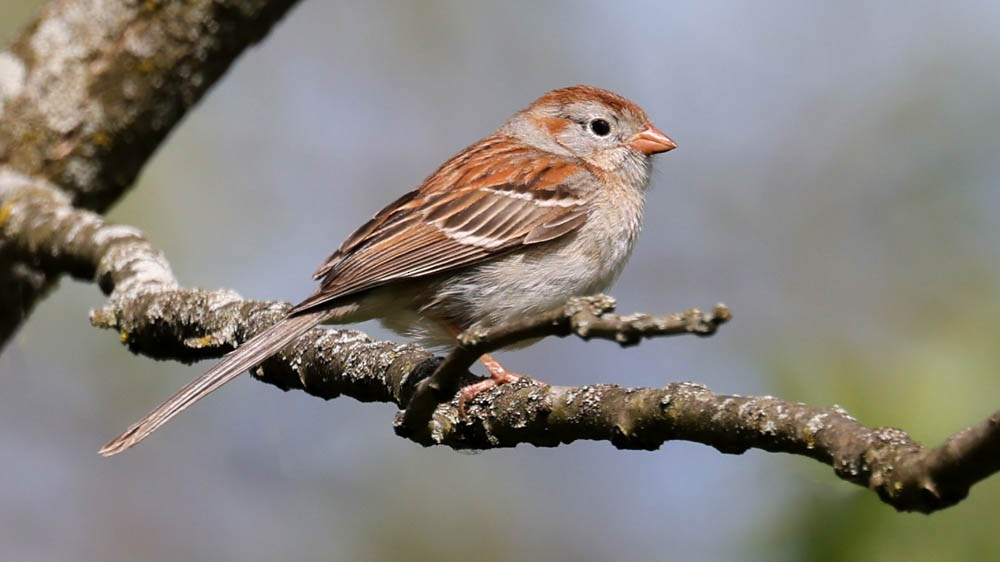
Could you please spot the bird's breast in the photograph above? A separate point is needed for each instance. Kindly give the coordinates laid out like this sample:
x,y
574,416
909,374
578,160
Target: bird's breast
x,y
540,277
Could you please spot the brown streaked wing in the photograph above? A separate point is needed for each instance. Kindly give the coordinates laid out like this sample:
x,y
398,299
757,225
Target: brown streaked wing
x,y
438,228
366,229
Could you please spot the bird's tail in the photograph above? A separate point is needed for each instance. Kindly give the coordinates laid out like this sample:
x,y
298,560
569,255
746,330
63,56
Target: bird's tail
x,y
247,356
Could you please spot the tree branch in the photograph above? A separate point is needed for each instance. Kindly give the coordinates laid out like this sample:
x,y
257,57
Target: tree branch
x,y
85,100
156,317
587,317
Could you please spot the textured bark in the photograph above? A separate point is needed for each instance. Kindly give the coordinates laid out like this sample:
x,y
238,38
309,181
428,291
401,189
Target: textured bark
x,y
89,90
585,317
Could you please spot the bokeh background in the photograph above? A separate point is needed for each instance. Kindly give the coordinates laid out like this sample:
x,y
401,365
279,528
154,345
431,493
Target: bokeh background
x,y
836,184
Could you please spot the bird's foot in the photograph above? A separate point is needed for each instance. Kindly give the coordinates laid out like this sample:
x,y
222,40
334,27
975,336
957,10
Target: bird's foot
x,y
498,375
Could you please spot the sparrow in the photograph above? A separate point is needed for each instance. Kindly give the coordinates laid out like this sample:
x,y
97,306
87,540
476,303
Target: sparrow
x,y
546,208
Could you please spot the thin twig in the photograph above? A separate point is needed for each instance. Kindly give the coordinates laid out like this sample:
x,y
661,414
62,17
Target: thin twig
x,y
587,317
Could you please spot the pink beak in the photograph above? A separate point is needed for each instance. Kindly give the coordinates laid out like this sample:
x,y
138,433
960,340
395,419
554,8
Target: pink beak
x,y
651,141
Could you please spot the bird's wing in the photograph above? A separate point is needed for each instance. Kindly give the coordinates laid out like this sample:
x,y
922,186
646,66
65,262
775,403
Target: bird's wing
x,y
484,202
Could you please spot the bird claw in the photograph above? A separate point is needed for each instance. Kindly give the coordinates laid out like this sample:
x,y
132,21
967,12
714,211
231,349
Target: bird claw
x,y
469,392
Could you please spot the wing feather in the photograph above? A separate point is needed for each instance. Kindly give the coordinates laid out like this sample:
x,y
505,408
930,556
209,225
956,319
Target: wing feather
x,y
464,213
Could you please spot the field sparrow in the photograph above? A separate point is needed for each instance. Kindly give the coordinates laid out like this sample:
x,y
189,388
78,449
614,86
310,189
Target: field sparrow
x,y
546,208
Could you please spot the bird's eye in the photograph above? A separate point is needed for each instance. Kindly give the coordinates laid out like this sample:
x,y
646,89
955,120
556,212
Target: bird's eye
x,y
600,127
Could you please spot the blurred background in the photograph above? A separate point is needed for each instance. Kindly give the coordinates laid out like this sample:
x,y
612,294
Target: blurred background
x,y
836,184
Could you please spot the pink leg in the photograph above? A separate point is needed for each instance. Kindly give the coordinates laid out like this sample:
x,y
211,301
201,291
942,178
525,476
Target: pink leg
x,y
498,375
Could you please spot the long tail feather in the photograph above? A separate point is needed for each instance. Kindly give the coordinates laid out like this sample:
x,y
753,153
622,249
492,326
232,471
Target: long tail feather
x,y
245,357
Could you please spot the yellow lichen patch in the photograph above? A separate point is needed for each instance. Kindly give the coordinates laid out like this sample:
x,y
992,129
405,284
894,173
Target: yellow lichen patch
x,y
809,438
5,212
101,139
146,66
203,341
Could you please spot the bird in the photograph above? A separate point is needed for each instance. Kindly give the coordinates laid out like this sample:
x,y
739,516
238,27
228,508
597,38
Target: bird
x,y
546,208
